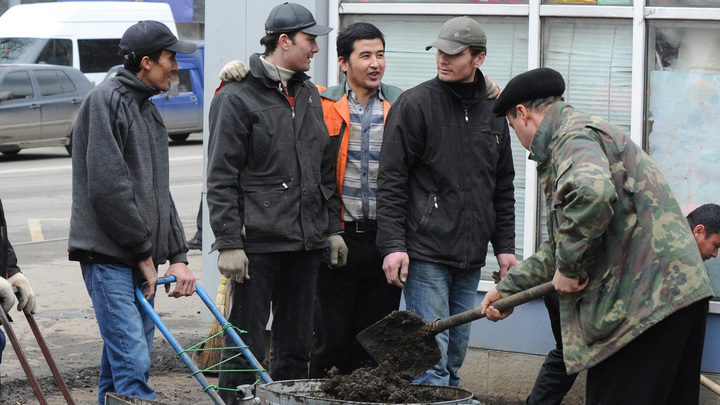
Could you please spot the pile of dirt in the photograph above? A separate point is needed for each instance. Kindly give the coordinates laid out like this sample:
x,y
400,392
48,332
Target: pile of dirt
x,y
376,384
404,347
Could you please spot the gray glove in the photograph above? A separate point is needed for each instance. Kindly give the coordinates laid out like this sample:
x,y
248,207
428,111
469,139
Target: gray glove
x,y
233,71
7,298
26,296
491,88
338,251
233,264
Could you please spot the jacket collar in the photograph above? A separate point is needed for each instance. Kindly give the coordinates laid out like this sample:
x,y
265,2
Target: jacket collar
x,y
541,144
258,70
479,92
335,93
139,90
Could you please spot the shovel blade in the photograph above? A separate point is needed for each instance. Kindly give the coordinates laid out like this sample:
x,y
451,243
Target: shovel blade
x,y
402,343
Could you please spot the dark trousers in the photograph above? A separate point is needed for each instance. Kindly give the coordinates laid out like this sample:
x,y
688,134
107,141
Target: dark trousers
x,y
198,222
349,300
661,366
553,382
285,280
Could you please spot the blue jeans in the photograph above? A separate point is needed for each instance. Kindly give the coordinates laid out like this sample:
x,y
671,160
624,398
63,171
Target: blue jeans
x,y
436,291
127,330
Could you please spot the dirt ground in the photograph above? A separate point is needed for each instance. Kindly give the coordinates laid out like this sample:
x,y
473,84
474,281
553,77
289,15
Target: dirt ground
x,y
170,378
66,320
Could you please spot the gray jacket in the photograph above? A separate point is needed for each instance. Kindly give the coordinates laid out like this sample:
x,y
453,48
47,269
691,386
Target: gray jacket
x,y
122,210
270,167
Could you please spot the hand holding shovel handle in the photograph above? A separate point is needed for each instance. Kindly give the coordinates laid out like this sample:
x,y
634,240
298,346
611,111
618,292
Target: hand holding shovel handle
x,y
501,305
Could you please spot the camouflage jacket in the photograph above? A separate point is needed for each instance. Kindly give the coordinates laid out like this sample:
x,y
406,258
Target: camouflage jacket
x,y
611,214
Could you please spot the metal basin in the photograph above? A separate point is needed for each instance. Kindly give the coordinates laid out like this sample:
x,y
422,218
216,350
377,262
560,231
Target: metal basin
x,y
307,392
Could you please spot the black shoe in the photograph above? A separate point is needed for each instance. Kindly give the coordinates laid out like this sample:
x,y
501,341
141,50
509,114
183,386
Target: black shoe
x,y
195,243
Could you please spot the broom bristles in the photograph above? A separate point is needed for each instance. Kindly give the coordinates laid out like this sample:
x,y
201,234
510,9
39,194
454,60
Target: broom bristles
x,y
206,358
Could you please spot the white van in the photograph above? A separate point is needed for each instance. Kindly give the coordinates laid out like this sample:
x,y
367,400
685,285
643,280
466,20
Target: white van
x,y
83,34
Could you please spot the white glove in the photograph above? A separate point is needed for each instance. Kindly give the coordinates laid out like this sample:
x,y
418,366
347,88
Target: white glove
x,y
233,264
26,296
338,251
234,71
7,298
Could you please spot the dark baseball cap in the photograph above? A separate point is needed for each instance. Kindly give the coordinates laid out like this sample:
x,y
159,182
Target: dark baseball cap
x,y
150,36
458,34
292,17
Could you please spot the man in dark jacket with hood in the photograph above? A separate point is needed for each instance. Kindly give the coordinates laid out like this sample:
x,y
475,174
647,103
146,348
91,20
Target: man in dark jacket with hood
x,y
124,222
445,189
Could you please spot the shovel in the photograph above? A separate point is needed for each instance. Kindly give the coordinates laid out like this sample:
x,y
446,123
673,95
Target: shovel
x,y
405,344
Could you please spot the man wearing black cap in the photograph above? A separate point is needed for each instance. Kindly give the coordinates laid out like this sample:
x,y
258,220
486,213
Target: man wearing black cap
x,y
633,290
124,223
445,189
271,194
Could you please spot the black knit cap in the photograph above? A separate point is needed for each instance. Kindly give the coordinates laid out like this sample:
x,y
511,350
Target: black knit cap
x,y
531,85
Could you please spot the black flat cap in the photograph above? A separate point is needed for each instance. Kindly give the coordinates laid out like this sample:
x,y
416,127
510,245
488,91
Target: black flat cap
x,y
292,17
531,85
150,36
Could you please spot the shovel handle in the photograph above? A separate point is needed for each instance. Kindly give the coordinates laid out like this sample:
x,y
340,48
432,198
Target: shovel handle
x,y
501,305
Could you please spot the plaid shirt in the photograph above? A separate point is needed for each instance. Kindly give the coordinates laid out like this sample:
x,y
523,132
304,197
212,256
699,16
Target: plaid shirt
x,y
366,134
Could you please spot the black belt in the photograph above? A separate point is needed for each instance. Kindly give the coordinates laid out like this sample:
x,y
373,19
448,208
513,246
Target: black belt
x,y
361,226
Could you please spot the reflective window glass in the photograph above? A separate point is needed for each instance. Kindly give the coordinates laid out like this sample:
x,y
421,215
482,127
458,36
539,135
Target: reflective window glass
x,y
18,84
57,52
48,83
98,55
595,58
683,87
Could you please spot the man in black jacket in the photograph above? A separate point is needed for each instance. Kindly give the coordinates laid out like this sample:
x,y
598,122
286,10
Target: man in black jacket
x,y
271,197
445,189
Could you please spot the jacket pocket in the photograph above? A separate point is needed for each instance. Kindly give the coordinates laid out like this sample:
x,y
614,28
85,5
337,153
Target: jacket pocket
x,y
431,205
599,313
271,214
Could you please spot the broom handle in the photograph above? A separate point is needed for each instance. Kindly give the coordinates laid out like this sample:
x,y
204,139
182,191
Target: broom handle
x,y
220,298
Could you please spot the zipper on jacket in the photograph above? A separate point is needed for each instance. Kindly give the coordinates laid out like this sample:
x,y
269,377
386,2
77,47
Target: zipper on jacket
x,y
466,115
285,93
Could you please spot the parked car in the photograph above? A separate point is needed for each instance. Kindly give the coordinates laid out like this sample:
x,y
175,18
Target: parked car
x,y
181,107
38,105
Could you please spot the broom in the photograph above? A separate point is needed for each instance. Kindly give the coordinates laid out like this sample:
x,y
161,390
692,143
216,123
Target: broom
x,y
208,353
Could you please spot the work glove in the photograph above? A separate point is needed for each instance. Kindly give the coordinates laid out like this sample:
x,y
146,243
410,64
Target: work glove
x,y
7,298
336,254
233,71
491,88
233,264
26,296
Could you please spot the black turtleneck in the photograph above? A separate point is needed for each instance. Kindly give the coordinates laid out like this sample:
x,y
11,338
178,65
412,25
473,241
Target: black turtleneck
x,y
465,90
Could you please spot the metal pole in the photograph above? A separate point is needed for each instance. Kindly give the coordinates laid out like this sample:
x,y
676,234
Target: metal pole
x,y
49,359
175,345
21,356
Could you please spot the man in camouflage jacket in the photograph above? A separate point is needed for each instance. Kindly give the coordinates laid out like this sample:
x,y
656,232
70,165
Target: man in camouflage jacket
x,y
638,321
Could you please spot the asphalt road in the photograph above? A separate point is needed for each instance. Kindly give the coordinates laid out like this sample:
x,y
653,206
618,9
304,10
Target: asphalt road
x,y
35,188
